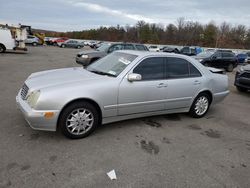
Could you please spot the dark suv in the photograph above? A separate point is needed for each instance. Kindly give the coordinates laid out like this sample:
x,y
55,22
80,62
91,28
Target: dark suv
x,y
242,78
87,57
220,59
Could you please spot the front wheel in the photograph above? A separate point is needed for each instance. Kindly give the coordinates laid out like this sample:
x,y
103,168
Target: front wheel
x,y
78,120
2,48
200,105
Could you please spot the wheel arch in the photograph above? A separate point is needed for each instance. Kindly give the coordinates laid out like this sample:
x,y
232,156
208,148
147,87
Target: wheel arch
x,y
94,103
208,92
3,46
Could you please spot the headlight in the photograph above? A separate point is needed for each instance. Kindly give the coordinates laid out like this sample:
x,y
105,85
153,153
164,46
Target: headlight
x,y
84,56
241,69
33,97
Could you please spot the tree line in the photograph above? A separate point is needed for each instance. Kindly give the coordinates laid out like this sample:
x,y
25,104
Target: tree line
x,y
184,33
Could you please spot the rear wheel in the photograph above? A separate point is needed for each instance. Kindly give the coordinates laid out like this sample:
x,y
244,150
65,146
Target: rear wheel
x,y
78,120
200,105
34,43
2,48
78,47
230,67
241,89
63,45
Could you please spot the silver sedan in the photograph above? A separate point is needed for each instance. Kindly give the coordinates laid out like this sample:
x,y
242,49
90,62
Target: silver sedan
x,y
122,85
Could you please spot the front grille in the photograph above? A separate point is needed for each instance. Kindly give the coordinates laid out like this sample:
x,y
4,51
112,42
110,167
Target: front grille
x,y
24,91
246,74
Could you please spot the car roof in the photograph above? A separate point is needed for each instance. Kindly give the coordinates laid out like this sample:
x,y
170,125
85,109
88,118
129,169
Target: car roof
x,y
150,53
126,43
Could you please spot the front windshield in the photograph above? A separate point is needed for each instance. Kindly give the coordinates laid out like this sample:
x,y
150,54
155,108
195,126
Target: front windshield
x,y
205,54
104,47
112,64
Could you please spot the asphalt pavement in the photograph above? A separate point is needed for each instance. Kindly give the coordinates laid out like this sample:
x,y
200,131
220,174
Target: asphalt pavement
x,y
163,151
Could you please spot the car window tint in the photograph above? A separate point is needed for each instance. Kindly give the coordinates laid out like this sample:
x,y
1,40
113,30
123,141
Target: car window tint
x,y
227,54
115,48
140,47
218,55
129,47
177,68
194,72
151,69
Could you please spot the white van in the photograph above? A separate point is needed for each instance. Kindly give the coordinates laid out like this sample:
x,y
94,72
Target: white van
x,y
6,40
14,40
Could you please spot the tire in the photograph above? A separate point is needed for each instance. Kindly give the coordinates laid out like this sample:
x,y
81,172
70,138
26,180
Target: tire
x,y
75,128
2,48
197,111
34,44
230,68
63,46
78,47
241,89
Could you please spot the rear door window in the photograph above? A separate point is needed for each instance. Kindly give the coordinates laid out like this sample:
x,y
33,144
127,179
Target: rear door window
x,y
177,68
227,54
180,68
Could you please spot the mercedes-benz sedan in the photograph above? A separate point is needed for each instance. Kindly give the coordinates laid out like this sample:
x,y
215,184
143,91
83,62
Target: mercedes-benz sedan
x,y
122,85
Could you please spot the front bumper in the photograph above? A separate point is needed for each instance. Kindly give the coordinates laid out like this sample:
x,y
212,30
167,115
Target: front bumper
x,y
242,81
83,61
35,118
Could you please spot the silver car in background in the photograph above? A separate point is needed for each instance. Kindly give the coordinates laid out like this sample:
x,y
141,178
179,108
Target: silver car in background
x,y
122,85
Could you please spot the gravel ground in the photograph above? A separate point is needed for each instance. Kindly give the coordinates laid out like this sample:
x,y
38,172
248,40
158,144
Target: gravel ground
x,y
162,151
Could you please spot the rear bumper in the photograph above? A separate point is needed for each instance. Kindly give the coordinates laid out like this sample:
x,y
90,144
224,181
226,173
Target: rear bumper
x,y
35,118
218,97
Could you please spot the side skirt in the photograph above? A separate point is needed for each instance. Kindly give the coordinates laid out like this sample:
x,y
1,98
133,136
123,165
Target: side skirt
x,y
133,116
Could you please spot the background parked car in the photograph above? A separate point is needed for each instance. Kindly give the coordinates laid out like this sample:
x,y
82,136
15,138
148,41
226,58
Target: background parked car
x,y
32,40
154,48
72,44
56,41
248,57
191,50
170,50
220,59
242,58
242,78
87,57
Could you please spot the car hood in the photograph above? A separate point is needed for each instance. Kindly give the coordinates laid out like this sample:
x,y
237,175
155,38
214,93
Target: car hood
x,y
55,77
92,52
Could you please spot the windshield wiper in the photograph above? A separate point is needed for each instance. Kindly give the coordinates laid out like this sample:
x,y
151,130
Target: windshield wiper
x,y
102,73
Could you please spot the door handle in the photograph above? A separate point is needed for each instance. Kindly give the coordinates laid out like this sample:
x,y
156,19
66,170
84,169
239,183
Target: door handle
x,y
161,85
197,82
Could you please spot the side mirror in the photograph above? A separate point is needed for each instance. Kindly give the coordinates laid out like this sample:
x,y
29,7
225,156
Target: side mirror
x,y
134,77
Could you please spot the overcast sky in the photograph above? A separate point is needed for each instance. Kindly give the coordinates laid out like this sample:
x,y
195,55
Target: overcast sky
x,y
68,15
